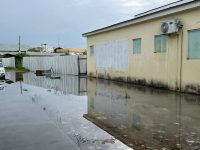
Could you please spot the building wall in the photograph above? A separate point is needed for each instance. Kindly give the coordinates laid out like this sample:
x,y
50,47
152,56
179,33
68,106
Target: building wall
x,y
47,48
149,68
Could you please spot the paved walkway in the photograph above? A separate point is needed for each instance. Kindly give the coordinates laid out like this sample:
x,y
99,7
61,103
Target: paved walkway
x,y
23,126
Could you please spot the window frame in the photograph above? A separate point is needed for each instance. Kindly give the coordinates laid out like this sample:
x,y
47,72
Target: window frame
x,y
188,47
136,52
160,36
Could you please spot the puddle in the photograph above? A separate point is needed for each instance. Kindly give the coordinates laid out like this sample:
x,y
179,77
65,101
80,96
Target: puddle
x,y
64,101
145,118
99,114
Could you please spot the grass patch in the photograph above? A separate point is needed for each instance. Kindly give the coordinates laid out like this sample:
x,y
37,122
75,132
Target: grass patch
x,y
19,69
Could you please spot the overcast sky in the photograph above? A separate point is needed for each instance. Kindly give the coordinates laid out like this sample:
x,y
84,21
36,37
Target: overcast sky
x,y
50,21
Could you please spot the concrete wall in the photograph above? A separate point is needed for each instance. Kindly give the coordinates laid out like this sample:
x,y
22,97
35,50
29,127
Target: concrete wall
x,y
149,68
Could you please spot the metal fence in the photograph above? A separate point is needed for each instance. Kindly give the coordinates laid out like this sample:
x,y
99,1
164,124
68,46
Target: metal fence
x,y
60,64
9,62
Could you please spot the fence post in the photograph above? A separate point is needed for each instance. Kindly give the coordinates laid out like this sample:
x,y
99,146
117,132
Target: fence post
x,y
78,66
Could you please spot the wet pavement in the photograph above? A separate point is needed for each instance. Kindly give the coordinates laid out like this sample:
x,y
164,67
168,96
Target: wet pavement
x,y
48,115
74,112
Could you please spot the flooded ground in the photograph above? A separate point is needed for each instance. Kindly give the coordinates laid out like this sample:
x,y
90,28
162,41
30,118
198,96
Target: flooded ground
x,y
38,113
90,114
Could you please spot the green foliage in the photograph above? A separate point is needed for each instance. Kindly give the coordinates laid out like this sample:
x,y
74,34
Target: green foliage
x,y
18,62
33,50
85,53
9,68
67,53
21,54
22,69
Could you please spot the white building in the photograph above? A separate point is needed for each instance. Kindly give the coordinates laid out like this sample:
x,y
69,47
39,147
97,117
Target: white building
x,y
47,48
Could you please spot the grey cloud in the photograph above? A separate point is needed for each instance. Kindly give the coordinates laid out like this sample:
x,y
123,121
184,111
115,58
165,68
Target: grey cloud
x,y
39,21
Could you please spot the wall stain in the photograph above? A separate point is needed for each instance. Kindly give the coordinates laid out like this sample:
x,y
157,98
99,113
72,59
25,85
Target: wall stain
x,y
192,88
120,79
108,77
101,76
158,84
152,83
91,74
136,81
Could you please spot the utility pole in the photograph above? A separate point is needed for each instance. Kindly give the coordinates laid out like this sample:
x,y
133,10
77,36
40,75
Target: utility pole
x,y
19,44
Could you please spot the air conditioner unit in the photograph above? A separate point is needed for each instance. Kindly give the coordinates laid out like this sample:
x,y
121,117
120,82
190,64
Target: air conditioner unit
x,y
170,26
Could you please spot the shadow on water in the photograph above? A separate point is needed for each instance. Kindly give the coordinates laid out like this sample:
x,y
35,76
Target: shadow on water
x,y
14,76
145,118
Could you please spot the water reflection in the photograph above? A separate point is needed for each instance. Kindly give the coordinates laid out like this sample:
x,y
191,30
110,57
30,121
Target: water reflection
x,y
10,77
66,85
2,84
14,76
145,118
38,101
75,85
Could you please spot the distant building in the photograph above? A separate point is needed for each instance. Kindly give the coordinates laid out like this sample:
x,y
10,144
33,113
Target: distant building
x,y
160,47
42,48
70,50
37,49
47,48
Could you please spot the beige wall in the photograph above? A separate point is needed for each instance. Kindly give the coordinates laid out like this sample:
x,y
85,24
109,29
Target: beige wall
x,y
149,68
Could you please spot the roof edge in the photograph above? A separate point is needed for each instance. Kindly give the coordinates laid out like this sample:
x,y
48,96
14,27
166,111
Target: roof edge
x,y
145,17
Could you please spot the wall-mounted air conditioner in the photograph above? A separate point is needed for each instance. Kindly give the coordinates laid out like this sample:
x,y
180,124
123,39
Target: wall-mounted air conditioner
x,y
170,26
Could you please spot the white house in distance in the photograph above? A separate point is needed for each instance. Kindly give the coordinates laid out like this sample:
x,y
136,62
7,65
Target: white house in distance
x,y
47,48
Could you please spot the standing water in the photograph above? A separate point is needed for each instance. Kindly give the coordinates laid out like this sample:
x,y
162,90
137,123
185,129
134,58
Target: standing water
x,y
94,114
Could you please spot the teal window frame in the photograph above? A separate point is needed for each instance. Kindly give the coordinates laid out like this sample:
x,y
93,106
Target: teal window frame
x,y
160,43
92,50
137,43
194,44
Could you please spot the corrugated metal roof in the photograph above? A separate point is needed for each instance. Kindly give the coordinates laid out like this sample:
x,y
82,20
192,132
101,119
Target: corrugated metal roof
x,y
164,7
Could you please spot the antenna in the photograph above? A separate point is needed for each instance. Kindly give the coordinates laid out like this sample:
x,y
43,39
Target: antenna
x,y
19,44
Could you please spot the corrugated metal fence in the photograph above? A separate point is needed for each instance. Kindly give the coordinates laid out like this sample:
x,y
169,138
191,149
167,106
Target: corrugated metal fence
x,y
9,62
73,65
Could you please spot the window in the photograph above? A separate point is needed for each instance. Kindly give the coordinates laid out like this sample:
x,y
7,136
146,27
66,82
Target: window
x,y
194,44
160,43
92,50
136,46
